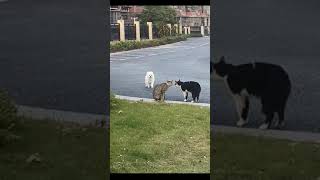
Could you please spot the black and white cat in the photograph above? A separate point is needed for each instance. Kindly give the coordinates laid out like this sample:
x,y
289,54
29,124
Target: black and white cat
x,y
269,82
189,87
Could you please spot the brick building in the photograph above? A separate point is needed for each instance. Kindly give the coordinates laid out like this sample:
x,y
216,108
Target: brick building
x,y
186,15
127,13
193,15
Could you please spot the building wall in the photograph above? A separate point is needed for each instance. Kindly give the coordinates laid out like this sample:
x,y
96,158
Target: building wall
x,y
186,15
121,12
193,15
114,16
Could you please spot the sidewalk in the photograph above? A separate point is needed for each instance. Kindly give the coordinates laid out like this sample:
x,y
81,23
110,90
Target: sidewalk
x,y
59,115
166,101
96,119
297,136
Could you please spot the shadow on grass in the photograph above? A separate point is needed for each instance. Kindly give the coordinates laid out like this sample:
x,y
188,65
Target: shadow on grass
x,y
242,157
66,151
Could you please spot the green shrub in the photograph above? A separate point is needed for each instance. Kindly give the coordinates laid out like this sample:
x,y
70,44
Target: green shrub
x,y
7,137
8,119
163,30
116,46
8,111
155,42
132,44
113,101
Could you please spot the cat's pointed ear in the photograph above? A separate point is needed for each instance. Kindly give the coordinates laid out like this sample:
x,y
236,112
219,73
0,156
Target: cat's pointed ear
x,y
222,59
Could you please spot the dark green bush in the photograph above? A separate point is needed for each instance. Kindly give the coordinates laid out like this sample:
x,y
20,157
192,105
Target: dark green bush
x,y
8,111
8,119
163,30
174,31
7,137
131,44
154,43
113,101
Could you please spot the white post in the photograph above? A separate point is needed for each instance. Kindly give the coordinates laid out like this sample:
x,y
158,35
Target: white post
x,y
185,30
122,34
137,24
202,30
180,28
150,30
189,30
176,26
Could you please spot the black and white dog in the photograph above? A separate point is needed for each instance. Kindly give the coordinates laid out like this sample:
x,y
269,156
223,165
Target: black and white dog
x,y
189,87
269,82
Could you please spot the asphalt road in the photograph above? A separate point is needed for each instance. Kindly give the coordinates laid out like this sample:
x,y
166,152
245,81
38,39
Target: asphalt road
x,y
53,54
186,60
280,32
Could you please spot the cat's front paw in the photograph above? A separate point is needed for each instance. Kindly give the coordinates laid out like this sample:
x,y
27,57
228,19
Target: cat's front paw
x,y
185,100
279,125
264,126
241,123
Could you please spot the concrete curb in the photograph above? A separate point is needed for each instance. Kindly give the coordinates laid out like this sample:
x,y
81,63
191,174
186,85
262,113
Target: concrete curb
x,y
59,115
134,50
153,101
98,119
271,133
153,47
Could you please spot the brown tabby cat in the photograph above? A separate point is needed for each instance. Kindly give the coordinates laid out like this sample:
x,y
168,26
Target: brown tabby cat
x,y
160,89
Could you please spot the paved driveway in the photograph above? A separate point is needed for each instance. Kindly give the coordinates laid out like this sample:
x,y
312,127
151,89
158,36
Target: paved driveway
x,y
186,60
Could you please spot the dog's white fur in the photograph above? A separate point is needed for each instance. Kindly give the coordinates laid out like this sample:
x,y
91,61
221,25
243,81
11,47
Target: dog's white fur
x,y
149,79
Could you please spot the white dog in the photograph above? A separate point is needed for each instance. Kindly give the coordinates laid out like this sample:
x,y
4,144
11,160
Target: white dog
x,y
149,79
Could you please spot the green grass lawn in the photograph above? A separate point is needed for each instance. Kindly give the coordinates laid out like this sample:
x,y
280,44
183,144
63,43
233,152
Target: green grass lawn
x,y
159,138
257,158
66,151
